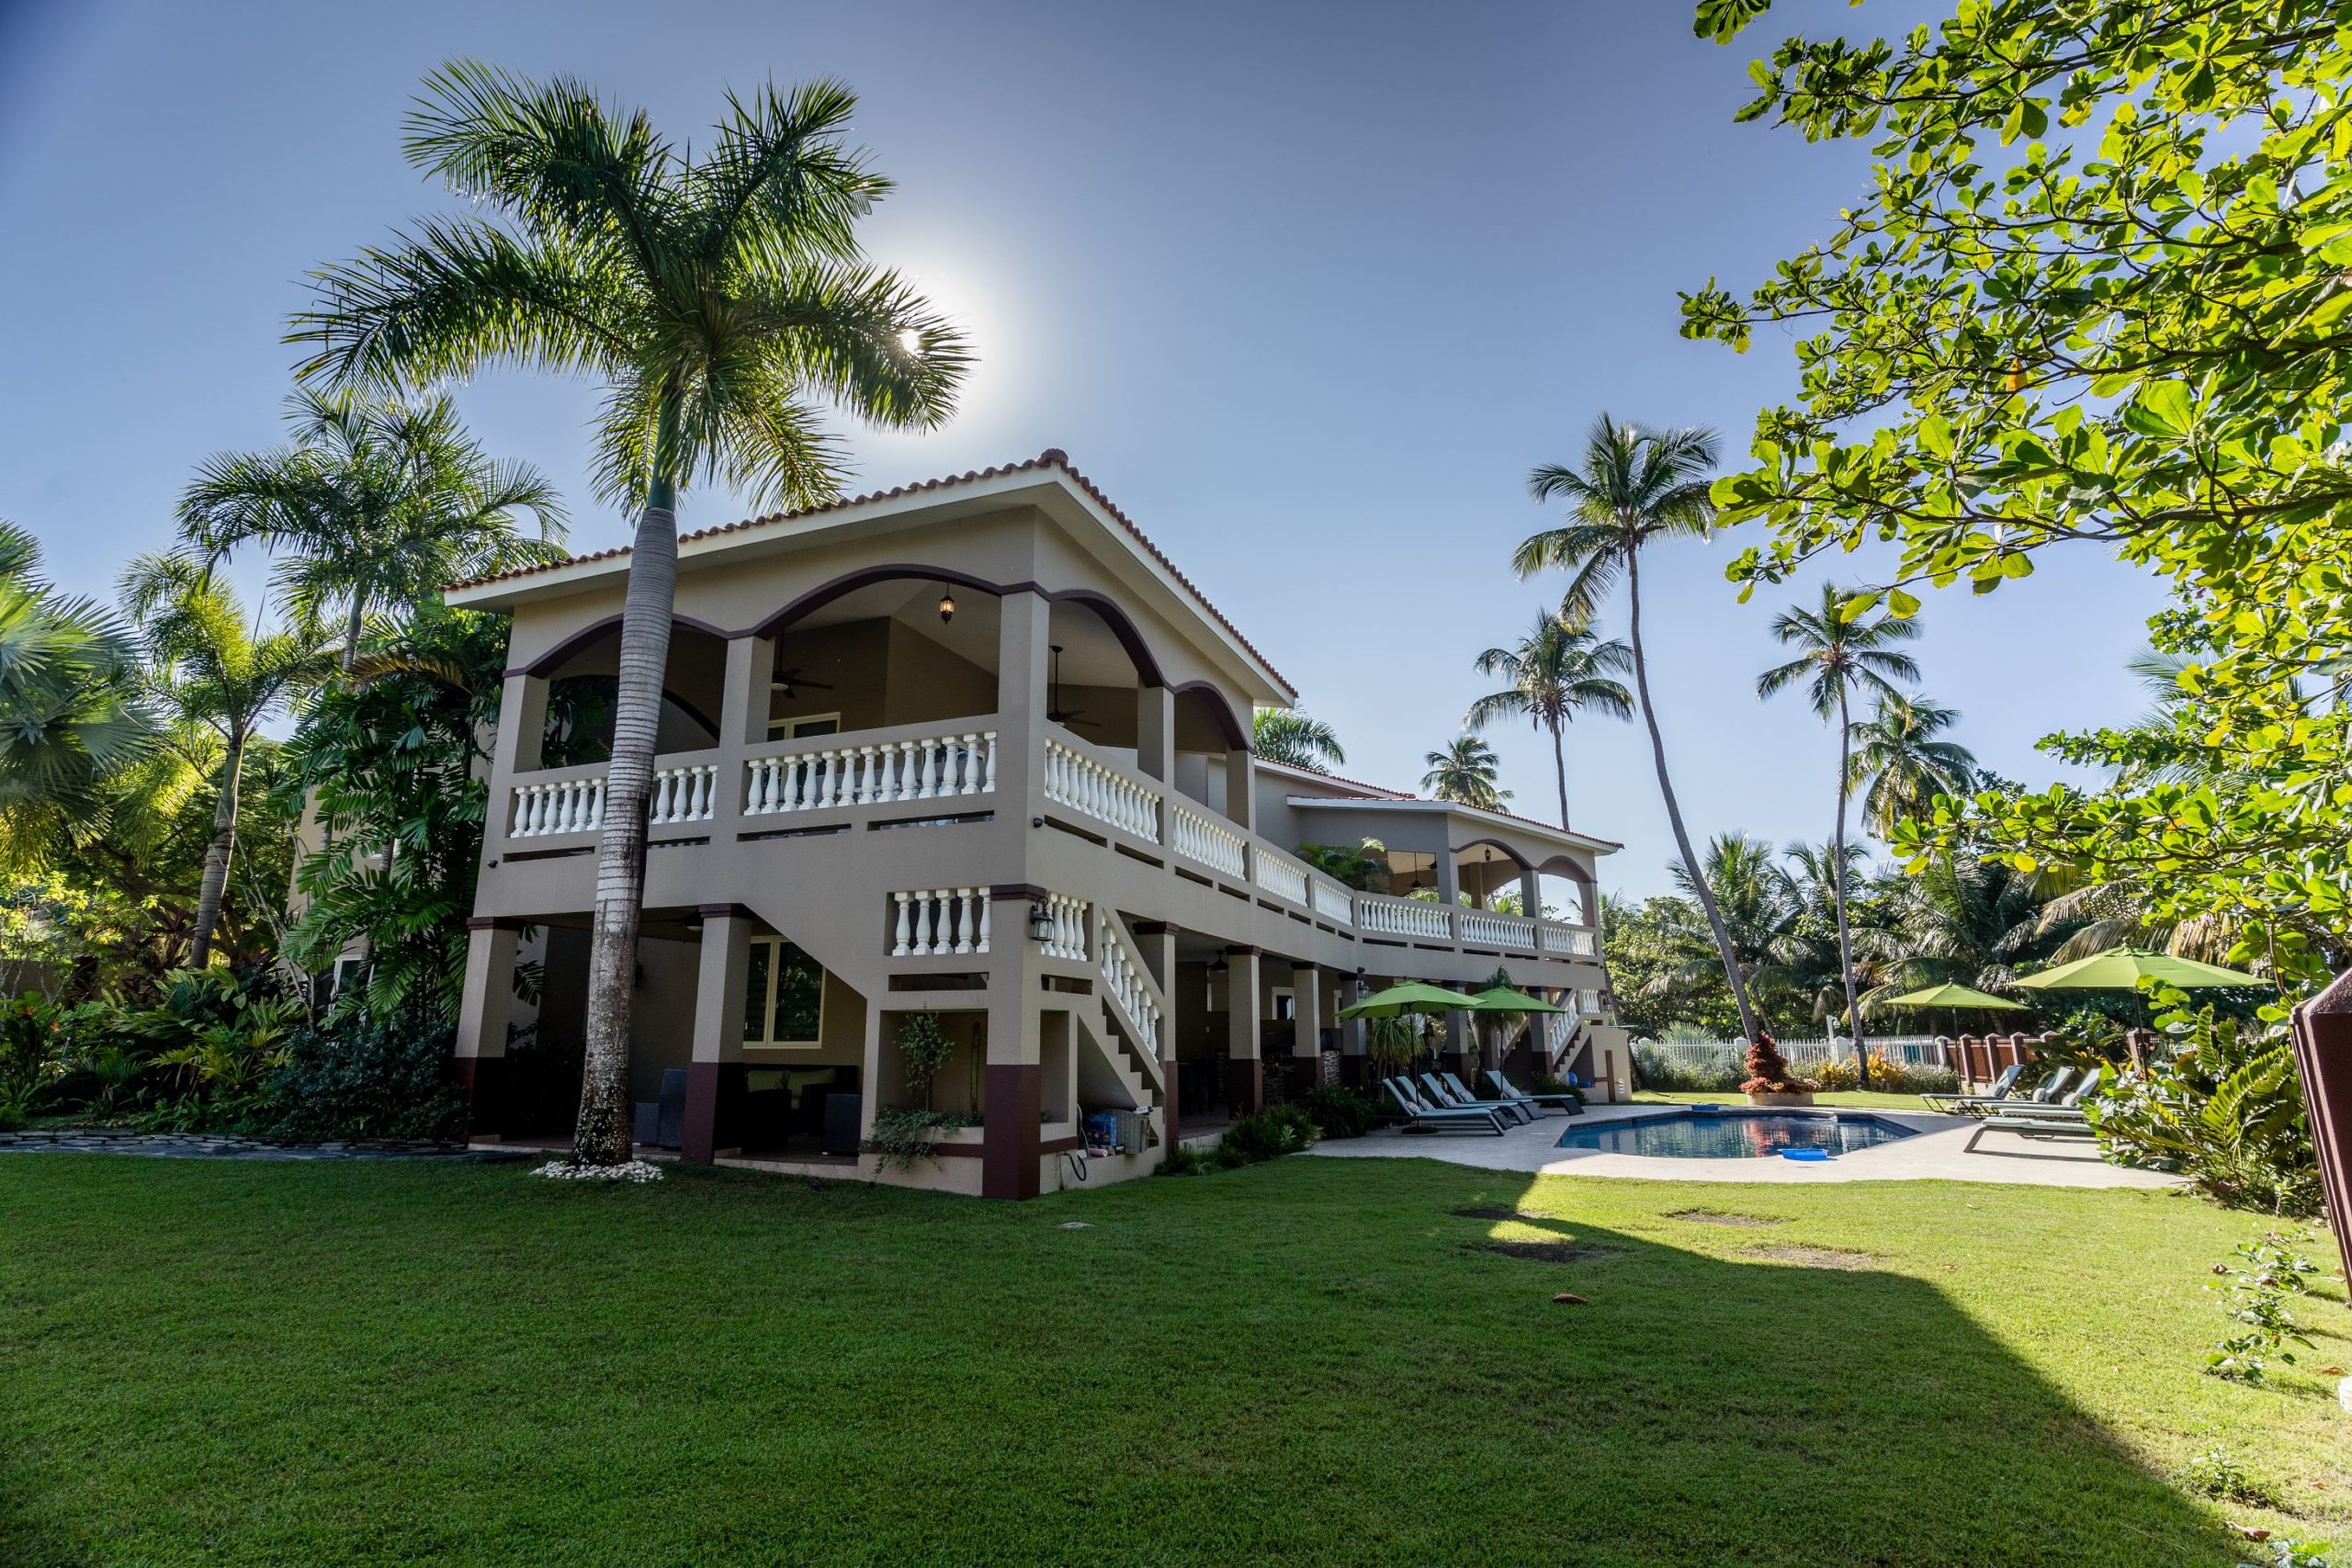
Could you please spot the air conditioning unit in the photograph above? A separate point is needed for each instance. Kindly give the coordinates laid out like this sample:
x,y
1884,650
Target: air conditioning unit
x,y
1131,1131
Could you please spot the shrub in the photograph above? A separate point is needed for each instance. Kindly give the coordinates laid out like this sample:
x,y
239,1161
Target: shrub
x,y
903,1138
364,1080
37,1040
2225,1110
1282,1130
1339,1113
1546,1084
1655,1069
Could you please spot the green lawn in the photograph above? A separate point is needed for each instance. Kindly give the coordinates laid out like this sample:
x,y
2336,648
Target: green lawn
x,y
1853,1098
1314,1361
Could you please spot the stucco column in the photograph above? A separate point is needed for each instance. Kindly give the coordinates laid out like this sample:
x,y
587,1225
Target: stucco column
x,y
522,727
1024,626
1156,940
1240,788
1355,1066
1012,1087
715,1073
1245,1071
1156,732
1306,1038
483,1011
751,665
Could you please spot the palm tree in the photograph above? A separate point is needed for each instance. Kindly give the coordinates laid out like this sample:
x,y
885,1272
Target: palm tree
x,y
1838,651
1288,736
209,672
714,297
1557,669
1635,486
379,503
1900,766
69,712
1464,773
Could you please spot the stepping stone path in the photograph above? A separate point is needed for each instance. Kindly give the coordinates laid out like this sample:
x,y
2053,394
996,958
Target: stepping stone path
x,y
203,1145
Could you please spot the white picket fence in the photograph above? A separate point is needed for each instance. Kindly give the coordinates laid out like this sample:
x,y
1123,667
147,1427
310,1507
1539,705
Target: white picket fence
x,y
1709,1055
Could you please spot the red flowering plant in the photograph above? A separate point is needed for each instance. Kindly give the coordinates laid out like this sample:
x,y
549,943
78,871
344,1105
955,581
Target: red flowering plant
x,y
1768,1071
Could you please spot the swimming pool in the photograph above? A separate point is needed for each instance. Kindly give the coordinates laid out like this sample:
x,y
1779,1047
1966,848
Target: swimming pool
x,y
1732,1134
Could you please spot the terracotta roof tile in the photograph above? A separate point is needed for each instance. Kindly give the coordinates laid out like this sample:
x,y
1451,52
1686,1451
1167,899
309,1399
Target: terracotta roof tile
x,y
1051,458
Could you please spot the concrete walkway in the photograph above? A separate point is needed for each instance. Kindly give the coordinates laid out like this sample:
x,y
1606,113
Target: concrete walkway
x,y
1933,1155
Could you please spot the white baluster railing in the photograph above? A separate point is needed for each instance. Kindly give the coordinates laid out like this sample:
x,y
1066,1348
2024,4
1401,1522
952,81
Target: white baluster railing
x,y
936,920
1278,875
1575,942
1489,930
1402,916
1125,977
1069,923
1085,785
1330,900
931,767
569,805
683,794
1196,837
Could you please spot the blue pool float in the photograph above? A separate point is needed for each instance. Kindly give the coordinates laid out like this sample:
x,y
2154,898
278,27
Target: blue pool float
x,y
1804,1154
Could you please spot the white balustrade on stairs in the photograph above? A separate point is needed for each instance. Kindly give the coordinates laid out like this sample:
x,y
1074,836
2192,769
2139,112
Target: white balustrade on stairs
x,y
1125,977
931,767
1097,790
1070,917
1402,917
1481,928
1197,838
936,920
1575,942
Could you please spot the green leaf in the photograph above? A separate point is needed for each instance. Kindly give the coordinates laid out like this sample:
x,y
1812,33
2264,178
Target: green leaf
x,y
2169,407
1721,19
1902,605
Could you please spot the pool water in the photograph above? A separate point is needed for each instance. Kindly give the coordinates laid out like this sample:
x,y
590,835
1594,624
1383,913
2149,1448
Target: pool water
x,y
1732,1134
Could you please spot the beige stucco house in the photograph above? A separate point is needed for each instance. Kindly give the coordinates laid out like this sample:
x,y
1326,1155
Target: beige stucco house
x,y
973,746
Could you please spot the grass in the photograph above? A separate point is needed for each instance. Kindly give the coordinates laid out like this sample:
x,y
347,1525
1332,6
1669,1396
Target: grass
x,y
1852,1098
1312,1360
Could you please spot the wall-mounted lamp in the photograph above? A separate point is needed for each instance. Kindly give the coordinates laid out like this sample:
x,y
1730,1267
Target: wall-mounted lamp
x,y
946,605
1041,923
1216,965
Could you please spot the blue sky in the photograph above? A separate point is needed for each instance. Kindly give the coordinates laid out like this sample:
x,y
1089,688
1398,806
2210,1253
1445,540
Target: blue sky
x,y
1306,288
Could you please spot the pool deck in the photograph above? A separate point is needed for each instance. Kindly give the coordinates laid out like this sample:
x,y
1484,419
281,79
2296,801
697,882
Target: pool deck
x,y
1934,1154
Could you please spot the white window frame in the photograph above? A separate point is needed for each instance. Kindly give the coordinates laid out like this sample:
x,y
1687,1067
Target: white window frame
x,y
776,945
1275,998
789,728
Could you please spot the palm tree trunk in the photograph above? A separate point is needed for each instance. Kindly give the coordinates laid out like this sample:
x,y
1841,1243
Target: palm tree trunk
x,y
1674,809
1837,886
603,1134
1560,766
215,885
351,633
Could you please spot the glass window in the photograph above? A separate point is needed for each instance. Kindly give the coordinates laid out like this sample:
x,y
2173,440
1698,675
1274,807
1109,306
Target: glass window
x,y
784,996
755,993
802,728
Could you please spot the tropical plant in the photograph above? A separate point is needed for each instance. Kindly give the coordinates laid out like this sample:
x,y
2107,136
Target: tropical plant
x,y
364,1079
1362,866
388,763
1841,648
922,1046
1464,773
1339,1113
713,295
902,1138
2224,1108
207,670
1899,764
69,711
2125,334
1633,487
1290,737
378,505
1559,669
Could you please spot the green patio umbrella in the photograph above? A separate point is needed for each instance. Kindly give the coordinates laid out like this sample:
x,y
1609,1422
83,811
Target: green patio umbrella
x,y
1413,996
1506,999
2122,969
1953,996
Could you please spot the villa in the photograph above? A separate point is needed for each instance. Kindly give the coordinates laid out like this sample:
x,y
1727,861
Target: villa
x,y
973,746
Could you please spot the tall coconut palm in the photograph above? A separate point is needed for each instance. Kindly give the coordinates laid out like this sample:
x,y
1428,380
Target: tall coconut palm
x,y
1900,765
1838,653
1288,736
208,668
1632,487
1559,669
1464,773
376,504
714,297
69,711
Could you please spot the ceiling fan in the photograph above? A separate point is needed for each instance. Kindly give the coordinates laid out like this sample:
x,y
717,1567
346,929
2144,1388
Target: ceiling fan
x,y
789,683
1054,709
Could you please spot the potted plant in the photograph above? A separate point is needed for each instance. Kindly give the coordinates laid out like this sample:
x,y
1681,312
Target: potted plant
x,y
1770,1082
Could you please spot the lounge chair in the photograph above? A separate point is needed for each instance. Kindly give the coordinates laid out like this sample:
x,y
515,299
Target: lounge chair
x,y
2067,1118
1950,1103
2051,1091
1565,1104
1437,1093
1430,1119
